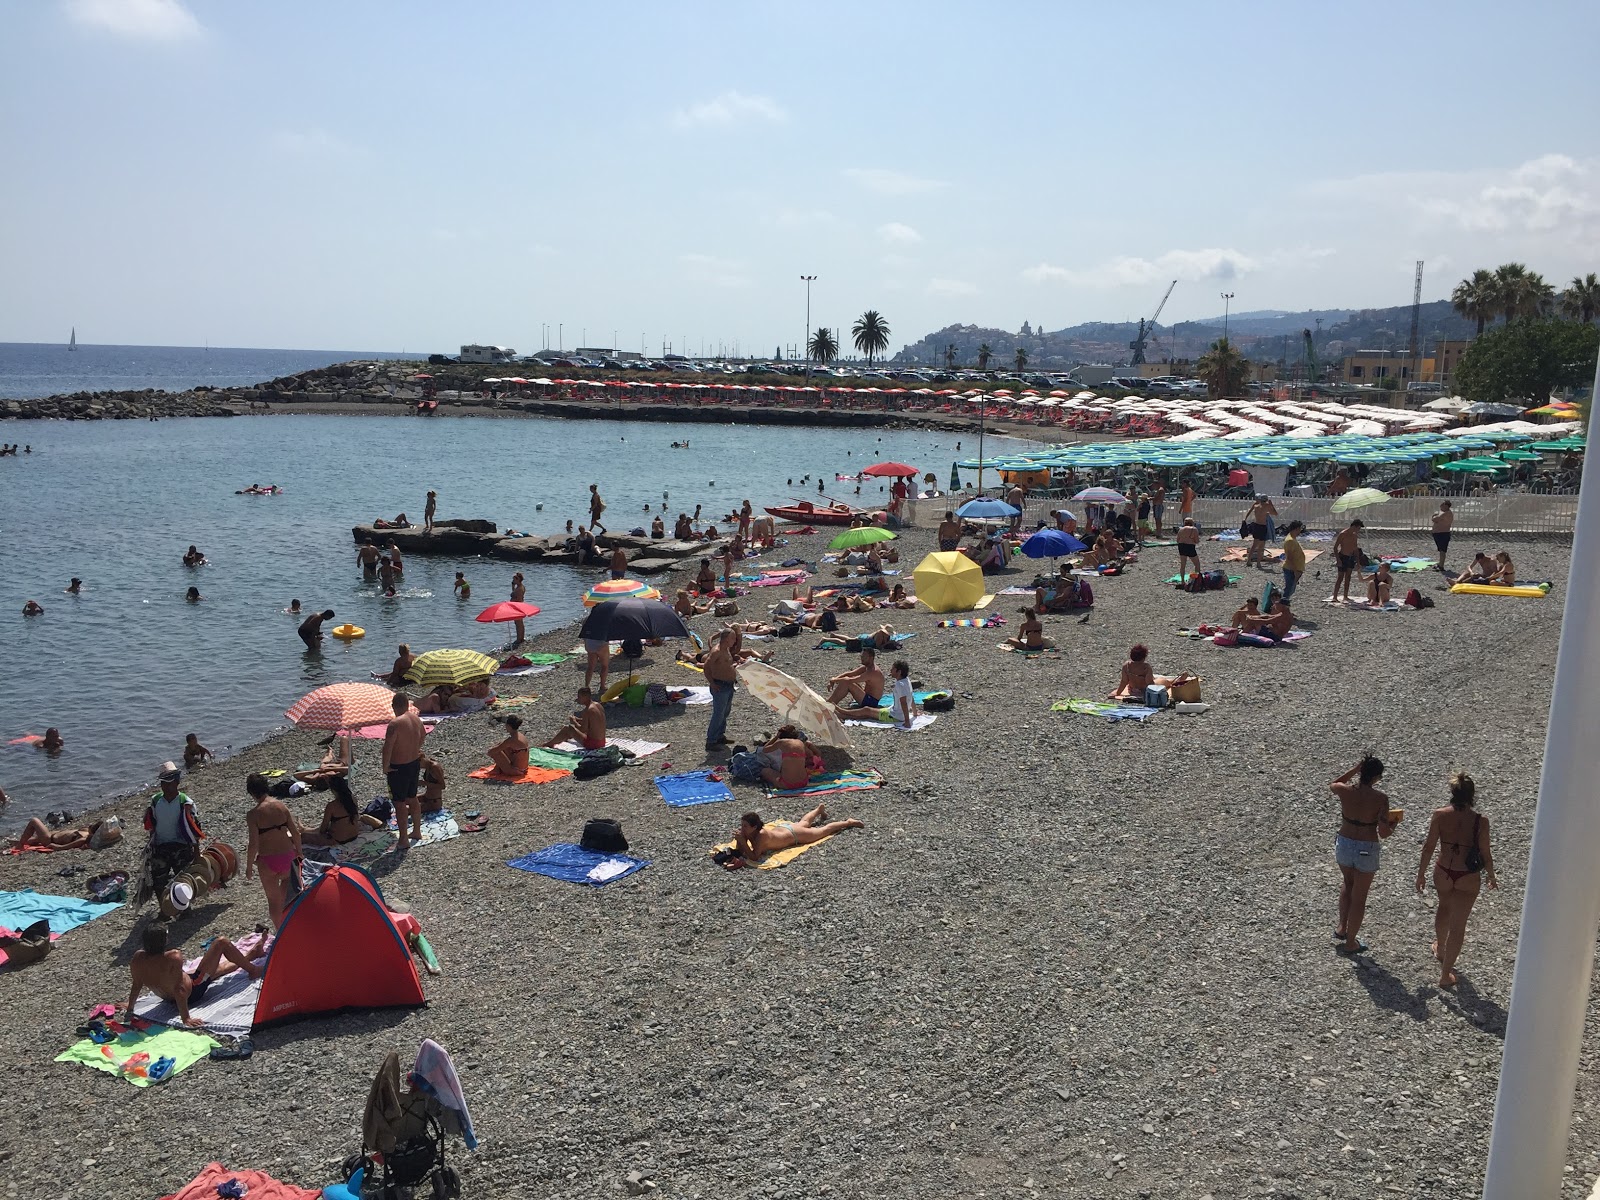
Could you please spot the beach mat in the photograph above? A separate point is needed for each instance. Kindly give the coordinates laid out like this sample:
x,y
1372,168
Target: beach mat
x,y
514,701
436,827
1532,591
834,781
574,864
1232,579
257,1185
366,847
634,746
1109,709
543,767
994,621
18,910
185,1047
228,1007
692,787
920,721
1050,652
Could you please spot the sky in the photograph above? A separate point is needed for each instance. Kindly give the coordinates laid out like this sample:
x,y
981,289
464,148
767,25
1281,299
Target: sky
x,y
403,175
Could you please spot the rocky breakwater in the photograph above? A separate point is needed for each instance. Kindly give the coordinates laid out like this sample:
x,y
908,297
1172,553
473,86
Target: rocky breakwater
x,y
117,406
477,538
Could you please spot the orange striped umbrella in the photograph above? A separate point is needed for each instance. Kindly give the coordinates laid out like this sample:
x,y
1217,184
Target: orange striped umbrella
x,y
343,706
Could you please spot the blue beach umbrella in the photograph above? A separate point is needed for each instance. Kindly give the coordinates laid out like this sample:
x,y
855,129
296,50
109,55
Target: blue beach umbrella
x,y
983,509
1052,543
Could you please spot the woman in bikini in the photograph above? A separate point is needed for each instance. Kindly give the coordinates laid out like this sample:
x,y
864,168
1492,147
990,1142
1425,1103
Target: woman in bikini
x,y
790,751
274,846
755,838
1458,830
1138,674
1505,573
1364,820
1031,635
342,821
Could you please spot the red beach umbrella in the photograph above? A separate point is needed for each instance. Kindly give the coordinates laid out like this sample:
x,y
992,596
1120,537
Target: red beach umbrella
x,y
507,610
896,470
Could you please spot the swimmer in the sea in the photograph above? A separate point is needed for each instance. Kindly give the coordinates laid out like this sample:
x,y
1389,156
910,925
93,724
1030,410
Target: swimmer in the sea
x,y
75,586
33,609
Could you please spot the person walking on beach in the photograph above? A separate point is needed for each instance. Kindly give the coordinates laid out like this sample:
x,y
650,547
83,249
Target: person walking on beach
x,y
428,509
721,675
274,847
311,628
1463,835
402,766
596,507
1442,521
519,595
1347,555
1357,848
1158,505
1294,559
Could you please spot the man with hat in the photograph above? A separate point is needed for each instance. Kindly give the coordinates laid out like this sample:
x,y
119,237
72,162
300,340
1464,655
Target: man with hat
x,y
174,829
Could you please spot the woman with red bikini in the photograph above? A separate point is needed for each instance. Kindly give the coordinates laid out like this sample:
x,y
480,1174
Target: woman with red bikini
x,y
1462,836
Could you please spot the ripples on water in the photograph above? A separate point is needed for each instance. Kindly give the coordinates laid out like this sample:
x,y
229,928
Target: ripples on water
x,y
128,667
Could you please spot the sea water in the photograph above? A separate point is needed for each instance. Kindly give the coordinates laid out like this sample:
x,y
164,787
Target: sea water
x,y
128,667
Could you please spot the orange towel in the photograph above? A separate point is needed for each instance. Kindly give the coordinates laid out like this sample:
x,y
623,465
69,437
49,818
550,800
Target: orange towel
x,y
532,775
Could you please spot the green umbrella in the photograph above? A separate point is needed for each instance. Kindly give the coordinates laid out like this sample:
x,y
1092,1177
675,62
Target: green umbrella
x,y
1359,498
862,535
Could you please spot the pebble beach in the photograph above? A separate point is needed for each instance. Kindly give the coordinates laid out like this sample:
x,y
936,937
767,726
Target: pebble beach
x,y
1065,956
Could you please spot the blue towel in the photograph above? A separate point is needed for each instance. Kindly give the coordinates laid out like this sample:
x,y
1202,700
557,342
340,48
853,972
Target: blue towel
x,y
691,787
919,697
572,863
18,910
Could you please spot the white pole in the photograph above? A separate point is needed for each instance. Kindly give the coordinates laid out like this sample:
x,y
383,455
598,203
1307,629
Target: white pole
x,y
1561,906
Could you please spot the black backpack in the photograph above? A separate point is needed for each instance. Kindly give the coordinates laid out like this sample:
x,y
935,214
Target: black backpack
x,y
595,763
939,702
603,835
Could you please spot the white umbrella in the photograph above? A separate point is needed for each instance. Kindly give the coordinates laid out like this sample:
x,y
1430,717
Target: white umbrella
x,y
795,703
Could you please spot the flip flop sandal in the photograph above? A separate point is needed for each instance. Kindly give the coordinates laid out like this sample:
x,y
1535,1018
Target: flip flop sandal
x,y
233,1048
1361,948
473,823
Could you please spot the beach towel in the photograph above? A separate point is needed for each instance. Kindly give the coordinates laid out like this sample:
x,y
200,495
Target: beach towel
x,y
885,721
1109,709
984,600
1365,606
694,695
1407,564
1148,545
257,1185
1016,591
185,1048
1242,554
1050,652
436,827
993,621
1232,579
544,765
691,788
435,1074
228,1006
535,669
778,858
515,701
574,864
1294,635
835,781
366,847
778,579
634,746
18,910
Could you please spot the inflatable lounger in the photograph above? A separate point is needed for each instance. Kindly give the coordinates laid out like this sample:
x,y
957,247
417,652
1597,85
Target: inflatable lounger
x,y
1537,591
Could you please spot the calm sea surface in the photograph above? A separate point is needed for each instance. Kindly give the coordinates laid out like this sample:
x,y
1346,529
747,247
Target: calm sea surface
x,y
29,369
128,667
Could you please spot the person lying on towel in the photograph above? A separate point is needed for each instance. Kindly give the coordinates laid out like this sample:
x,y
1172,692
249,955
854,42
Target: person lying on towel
x,y
161,970
755,838
587,726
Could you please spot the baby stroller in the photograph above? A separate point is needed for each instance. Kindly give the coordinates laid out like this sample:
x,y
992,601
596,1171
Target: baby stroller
x,y
403,1131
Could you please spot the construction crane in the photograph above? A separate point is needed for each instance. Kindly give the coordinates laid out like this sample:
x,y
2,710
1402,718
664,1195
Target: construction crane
x,y
1416,323
1311,358
1147,328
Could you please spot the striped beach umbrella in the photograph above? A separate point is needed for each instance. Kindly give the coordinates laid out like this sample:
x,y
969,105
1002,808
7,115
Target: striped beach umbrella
x,y
343,706
1101,495
619,589
450,666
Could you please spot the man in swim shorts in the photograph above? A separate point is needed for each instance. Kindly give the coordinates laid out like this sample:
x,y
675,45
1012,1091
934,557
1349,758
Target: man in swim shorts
x,y
1347,554
161,970
863,685
1442,521
1188,548
368,557
402,766
949,533
587,726
311,628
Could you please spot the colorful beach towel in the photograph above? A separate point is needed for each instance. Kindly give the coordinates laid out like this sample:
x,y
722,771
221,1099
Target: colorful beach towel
x,y
544,765
574,864
634,746
367,847
993,621
1232,579
18,910
779,579
1406,564
257,1185
836,781
692,787
1109,709
436,827
183,1047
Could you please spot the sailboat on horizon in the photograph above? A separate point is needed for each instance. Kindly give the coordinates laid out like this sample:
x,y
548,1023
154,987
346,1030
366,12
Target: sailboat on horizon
x,y
72,343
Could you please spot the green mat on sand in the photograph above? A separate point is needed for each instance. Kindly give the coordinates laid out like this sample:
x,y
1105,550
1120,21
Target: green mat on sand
x,y
551,760
158,1041
543,660
1151,545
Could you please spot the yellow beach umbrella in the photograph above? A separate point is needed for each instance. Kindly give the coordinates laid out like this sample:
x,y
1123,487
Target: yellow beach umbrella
x,y
450,666
948,581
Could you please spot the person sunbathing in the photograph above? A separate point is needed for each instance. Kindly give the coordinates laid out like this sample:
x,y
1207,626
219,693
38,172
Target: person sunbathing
x,y
1504,574
161,970
1063,593
1137,674
342,821
789,749
824,619
885,638
438,700
686,606
1031,635
510,756
899,599
335,762
587,726
755,838
1380,585
1482,570
1247,614
37,833
862,685
851,602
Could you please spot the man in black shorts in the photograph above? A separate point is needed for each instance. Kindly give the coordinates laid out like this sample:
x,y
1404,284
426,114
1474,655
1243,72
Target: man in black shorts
x,y
402,767
1347,553
1442,521
1188,538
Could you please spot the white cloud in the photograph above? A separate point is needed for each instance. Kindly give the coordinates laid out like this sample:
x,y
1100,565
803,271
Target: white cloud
x,y
1190,265
715,272
950,287
891,183
1543,195
730,108
152,20
894,231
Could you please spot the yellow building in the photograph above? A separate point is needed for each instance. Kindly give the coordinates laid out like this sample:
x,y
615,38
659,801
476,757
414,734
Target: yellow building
x,y
1374,366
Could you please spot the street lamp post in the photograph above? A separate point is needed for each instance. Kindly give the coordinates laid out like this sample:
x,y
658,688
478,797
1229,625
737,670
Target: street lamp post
x,y
805,344
1227,299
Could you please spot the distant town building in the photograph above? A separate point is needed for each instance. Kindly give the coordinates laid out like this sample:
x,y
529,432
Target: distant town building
x,y
487,354
1375,366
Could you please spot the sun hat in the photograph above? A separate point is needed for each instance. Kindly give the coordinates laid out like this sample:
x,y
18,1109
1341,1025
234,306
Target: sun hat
x,y
169,772
182,895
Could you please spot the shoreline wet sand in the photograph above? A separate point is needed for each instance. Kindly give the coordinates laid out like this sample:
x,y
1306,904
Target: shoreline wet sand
x,y
1064,957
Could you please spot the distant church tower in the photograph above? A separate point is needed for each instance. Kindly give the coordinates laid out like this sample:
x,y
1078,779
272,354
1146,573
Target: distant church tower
x,y
1027,331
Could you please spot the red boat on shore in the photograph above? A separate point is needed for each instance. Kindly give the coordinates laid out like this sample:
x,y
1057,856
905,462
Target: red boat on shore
x,y
804,512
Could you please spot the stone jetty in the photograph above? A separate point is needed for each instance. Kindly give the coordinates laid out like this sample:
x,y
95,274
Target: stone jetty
x,y
463,538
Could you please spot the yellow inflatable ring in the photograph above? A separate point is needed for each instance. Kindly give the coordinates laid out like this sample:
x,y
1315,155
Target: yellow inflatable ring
x,y
348,633
616,689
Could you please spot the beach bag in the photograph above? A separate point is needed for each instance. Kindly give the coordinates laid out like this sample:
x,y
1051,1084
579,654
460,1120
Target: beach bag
x,y
789,630
937,702
596,763
745,767
106,833
1474,856
1215,579
379,808
603,835
830,621
725,608
1417,600
1156,696
1187,692
1225,637
29,946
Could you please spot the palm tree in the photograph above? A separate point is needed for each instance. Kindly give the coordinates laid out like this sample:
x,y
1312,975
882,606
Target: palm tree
x,y
1581,300
950,355
1022,358
823,346
1224,370
1521,292
984,352
1476,298
871,334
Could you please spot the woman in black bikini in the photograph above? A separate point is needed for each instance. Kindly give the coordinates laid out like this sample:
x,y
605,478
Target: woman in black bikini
x,y
1459,830
342,821
1364,820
